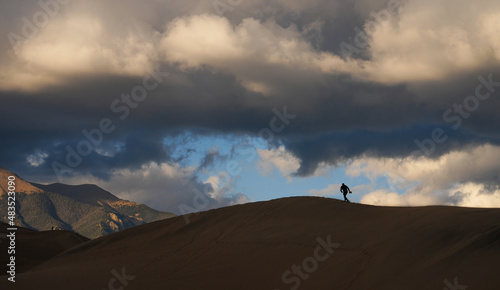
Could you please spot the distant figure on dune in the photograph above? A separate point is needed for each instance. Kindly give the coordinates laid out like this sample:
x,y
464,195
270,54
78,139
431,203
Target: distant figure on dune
x,y
345,189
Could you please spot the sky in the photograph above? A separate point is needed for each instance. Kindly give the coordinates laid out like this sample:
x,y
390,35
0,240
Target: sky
x,y
193,105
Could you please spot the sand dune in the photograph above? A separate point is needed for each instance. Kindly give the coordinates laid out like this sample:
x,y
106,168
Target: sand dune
x,y
33,247
262,245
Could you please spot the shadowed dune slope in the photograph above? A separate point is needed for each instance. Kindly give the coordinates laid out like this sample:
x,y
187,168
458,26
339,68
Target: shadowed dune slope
x,y
33,247
252,246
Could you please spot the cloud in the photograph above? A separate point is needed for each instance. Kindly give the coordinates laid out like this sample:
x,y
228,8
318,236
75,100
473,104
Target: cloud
x,y
78,44
424,41
432,41
37,159
476,195
467,195
402,47
331,189
473,164
222,190
468,177
278,158
165,187
213,155
387,198
247,50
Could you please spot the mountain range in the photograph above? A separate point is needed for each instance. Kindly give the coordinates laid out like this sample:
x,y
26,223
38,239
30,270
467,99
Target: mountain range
x,y
85,209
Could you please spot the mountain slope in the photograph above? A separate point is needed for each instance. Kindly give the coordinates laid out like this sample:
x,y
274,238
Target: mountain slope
x,y
306,242
85,209
21,185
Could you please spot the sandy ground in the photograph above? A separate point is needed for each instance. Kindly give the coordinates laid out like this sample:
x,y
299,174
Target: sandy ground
x,y
292,243
33,247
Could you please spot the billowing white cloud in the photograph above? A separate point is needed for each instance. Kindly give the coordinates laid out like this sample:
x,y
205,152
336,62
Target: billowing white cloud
x,y
388,198
423,41
475,195
77,44
249,50
278,158
431,40
426,41
222,188
465,178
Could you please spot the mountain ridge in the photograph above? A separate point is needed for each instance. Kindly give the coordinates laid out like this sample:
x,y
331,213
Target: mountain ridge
x,y
20,184
86,193
85,209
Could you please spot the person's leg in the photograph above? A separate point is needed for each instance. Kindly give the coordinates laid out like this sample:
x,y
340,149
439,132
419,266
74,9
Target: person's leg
x,y
345,196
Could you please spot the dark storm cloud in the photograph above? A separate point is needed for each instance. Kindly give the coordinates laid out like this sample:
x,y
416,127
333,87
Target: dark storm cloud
x,y
337,121
338,148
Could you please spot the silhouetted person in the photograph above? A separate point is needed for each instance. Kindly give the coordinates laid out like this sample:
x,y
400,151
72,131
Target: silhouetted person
x,y
345,189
